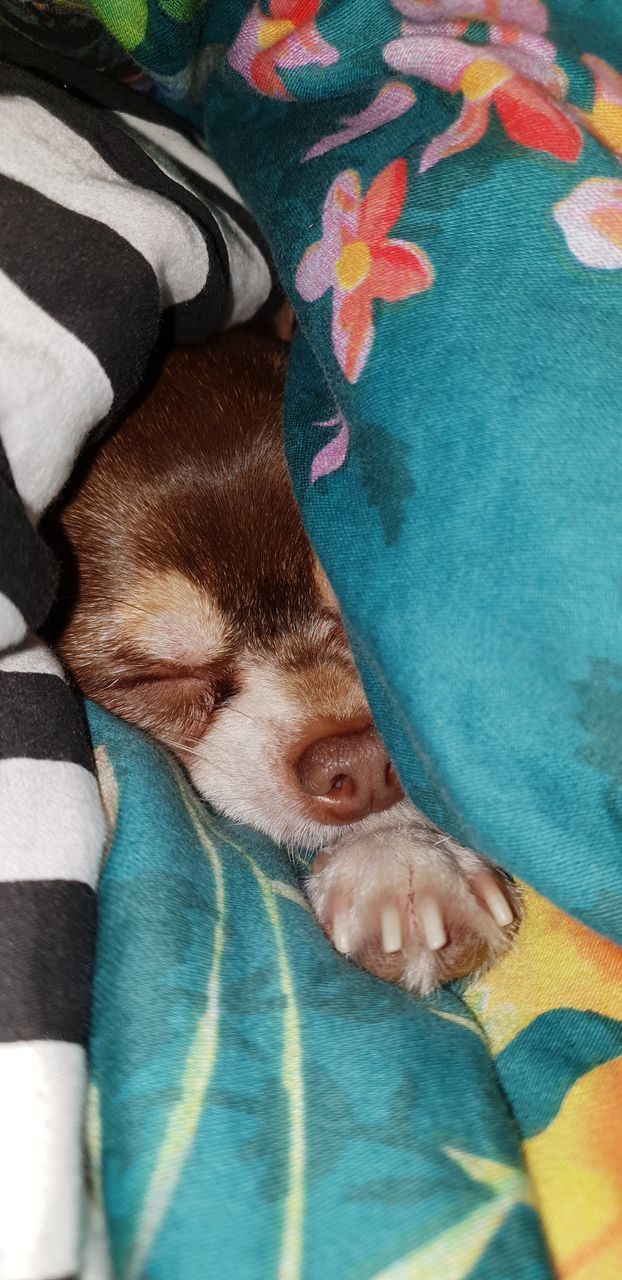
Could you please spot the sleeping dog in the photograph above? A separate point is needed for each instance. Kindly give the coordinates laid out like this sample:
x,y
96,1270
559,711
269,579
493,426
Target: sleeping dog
x,y
201,614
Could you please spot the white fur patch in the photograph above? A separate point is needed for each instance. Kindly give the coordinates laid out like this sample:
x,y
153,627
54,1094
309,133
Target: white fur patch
x,y
240,765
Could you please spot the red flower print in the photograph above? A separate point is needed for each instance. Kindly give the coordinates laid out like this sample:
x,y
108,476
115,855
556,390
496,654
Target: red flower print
x,y
284,38
359,263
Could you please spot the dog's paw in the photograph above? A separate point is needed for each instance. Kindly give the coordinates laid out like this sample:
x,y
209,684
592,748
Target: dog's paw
x,y
412,906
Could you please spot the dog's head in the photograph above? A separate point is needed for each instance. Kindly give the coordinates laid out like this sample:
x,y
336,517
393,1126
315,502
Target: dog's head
x,y
200,611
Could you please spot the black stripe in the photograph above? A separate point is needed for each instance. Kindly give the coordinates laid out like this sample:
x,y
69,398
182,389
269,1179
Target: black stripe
x,y
28,570
237,212
5,470
209,310
47,940
85,82
86,277
42,719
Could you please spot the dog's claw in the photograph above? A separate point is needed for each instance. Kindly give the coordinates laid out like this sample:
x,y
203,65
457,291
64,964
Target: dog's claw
x,y
495,899
391,928
432,924
341,932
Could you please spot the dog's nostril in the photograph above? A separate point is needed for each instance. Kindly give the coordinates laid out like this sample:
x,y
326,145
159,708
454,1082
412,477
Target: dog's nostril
x,y
342,787
349,774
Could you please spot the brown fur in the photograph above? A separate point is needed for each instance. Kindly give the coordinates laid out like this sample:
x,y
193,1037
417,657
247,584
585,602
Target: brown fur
x,y
195,485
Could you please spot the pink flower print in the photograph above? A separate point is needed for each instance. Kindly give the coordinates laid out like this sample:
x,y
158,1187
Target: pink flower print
x,y
515,73
359,263
531,15
334,454
390,102
591,220
284,38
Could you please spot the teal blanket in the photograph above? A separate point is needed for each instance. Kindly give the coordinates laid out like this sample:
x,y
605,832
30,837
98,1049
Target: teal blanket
x,y
262,1108
266,1108
445,208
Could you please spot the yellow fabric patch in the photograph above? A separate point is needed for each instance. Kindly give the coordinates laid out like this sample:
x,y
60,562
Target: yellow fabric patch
x,y
557,964
575,1162
482,78
576,1165
605,121
272,30
608,222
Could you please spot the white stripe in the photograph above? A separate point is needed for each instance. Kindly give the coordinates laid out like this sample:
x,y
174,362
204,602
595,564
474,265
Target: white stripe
x,y
40,151
53,390
51,822
32,656
96,1260
183,150
12,625
250,276
41,1097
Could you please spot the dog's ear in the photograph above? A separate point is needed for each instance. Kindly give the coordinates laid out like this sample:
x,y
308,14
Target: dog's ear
x,y
275,323
284,322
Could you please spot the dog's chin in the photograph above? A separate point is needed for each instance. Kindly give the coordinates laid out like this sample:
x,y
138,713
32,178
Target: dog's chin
x,y
279,813
280,817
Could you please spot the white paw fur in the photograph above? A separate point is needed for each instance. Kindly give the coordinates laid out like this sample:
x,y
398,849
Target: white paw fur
x,y
411,905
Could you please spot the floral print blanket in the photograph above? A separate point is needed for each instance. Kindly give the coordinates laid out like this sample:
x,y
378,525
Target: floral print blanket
x,y
445,209
440,184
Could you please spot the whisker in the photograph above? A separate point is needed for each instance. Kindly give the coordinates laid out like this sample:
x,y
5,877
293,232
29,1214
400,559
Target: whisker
x,y
168,742
227,706
214,764
130,604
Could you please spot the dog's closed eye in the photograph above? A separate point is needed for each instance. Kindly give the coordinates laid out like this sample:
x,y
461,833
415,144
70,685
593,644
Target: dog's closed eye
x,y
225,689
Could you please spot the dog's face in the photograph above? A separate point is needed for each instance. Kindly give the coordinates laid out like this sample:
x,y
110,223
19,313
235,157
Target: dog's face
x,y
201,613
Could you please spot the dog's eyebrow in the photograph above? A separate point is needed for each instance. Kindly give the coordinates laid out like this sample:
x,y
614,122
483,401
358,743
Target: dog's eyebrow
x,y
174,620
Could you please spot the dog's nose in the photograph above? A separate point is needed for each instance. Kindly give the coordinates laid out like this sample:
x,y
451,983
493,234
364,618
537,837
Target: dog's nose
x,y
350,775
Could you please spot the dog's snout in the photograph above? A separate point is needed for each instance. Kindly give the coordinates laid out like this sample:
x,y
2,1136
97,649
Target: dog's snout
x,y
349,775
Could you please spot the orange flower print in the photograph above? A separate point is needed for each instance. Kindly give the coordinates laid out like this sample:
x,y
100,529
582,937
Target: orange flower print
x,y
286,37
604,121
359,263
514,73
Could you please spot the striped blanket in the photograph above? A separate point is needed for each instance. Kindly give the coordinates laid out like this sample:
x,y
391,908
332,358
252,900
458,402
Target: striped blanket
x,y
115,226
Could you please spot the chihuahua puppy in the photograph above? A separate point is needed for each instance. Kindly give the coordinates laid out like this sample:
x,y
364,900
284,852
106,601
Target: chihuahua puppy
x,y
201,614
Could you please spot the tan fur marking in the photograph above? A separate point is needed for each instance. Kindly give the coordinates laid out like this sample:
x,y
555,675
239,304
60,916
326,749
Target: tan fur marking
x,y
173,619
327,595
